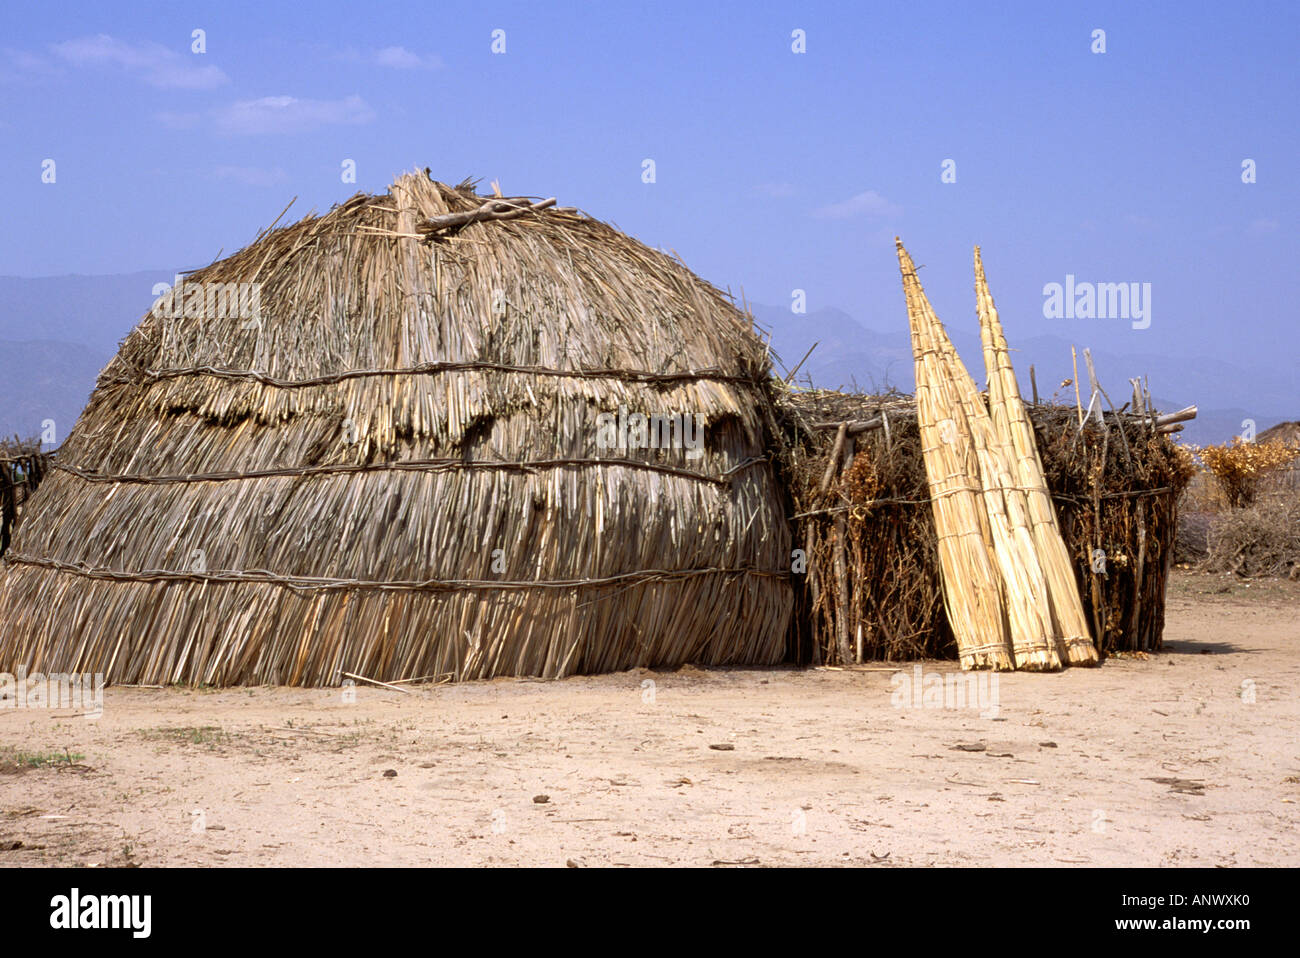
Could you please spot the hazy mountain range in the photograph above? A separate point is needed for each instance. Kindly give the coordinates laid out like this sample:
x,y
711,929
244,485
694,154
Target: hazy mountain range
x,y
852,356
57,333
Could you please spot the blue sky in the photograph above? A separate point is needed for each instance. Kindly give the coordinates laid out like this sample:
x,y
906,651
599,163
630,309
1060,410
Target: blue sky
x,y
775,170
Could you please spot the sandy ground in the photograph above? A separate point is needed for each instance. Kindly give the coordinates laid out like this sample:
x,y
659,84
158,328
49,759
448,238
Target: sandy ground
x,y
1158,761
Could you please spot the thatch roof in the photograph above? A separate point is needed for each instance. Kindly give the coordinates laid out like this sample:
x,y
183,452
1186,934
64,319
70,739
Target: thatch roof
x,y
395,470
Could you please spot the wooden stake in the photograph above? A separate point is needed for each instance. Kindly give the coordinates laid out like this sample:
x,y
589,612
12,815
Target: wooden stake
x,y
790,375
1078,400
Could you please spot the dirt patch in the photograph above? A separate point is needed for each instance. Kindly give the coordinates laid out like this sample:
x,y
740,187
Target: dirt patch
x,y
1188,757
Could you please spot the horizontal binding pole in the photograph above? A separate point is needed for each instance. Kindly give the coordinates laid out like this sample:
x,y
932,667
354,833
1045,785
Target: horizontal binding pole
x,y
423,369
854,425
1128,494
1063,497
409,465
324,584
869,504
1182,415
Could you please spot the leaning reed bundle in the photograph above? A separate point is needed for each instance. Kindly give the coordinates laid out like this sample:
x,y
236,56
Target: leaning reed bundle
x,y
971,587
1007,410
397,469
1024,587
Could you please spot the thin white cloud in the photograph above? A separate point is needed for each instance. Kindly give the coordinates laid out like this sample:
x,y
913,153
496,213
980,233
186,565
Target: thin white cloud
x,y
869,203
392,58
400,58
287,114
24,65
1264,226
778,191
251,175
155,64
179,121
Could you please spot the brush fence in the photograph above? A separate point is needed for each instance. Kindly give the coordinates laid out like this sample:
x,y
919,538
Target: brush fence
x,y
872,589
22,467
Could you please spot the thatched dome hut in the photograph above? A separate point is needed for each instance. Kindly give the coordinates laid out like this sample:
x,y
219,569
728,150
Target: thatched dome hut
x,y
418,453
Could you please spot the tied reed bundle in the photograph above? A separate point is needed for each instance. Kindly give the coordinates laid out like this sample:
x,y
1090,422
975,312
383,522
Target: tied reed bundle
x,y
972,590
1007,409
1024,587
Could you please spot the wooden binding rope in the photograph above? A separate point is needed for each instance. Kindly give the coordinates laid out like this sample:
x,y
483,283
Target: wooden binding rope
x,y
1011,423
971,587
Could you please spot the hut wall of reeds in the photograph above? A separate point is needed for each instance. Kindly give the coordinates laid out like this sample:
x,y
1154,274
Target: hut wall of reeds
x,y
872,588
420,455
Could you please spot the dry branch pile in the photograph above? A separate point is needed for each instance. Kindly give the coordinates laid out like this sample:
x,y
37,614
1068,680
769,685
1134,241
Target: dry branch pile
x,y
395,467
1259,540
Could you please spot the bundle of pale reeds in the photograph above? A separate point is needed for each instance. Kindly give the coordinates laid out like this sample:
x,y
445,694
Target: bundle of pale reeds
x,y
1016,436
971,585
1024,585
979,449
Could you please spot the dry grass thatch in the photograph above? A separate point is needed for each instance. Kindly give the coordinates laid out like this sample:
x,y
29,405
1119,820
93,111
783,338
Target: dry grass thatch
x,y
395,468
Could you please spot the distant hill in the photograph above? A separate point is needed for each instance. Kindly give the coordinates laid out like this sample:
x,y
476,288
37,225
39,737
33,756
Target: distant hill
x,y
56,334
95,311
1283,432
45,380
